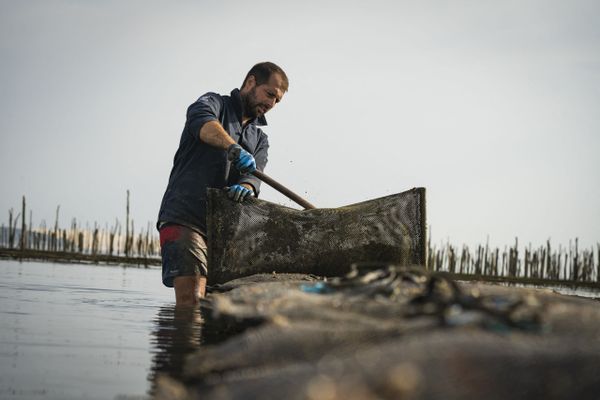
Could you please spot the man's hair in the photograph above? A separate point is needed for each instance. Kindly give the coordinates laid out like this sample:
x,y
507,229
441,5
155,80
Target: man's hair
x,y
262,73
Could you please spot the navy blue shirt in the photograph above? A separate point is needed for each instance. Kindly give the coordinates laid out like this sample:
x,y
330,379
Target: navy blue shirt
x,y
198,166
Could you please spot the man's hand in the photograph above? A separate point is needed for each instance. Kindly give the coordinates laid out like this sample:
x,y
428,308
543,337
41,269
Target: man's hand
x,y
241,159
237,193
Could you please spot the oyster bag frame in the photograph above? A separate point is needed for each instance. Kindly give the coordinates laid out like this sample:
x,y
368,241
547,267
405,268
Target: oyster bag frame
x,y
263,237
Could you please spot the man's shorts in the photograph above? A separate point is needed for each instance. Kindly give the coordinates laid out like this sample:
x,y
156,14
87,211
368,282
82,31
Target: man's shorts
x,y
183,253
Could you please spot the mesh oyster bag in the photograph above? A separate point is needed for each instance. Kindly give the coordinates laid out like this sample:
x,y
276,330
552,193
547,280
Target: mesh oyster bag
x,y
263,237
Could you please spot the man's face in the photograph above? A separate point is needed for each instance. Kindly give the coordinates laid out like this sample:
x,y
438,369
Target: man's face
x,y
259,99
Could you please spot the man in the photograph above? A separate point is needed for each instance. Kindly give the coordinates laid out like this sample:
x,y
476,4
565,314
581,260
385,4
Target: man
x,y
217,126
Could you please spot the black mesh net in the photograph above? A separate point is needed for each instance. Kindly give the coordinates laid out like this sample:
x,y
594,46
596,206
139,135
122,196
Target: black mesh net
x,y
263,237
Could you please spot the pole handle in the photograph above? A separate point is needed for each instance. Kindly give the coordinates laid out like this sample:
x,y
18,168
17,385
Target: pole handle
x,y
283,190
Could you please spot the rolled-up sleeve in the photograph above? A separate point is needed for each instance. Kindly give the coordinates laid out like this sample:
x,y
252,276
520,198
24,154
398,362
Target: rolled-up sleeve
x,y
207,108
261,157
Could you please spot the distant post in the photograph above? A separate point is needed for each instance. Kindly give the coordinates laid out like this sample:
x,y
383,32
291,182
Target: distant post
x,y
127,247
22,239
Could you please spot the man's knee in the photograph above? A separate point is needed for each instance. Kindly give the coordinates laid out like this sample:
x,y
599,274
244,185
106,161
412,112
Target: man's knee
x,y
189,289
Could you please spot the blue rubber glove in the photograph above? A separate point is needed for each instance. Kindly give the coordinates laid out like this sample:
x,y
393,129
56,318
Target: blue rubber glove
x,y
237,193
241,159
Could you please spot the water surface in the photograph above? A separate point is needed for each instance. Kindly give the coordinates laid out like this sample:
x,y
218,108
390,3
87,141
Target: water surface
x,y
86,331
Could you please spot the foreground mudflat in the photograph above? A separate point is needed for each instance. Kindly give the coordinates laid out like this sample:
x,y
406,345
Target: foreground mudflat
x,y
393,333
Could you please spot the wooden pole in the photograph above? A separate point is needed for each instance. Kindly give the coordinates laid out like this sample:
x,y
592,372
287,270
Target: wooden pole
x,y
127,226
23,228
55,244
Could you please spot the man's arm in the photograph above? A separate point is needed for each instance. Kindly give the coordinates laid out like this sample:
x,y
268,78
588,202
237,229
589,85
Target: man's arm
x,y
213,134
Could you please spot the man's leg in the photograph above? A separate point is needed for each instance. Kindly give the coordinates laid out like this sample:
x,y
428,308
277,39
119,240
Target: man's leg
x,y
189,289
183,252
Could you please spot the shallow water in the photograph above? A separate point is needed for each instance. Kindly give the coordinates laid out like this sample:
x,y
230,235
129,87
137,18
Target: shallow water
x,y
88,331
588,292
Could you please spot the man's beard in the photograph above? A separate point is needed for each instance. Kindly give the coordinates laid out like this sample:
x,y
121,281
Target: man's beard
x,y
250,105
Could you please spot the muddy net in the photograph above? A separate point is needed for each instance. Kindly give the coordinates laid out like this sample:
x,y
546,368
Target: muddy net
x,y
263,237
391,332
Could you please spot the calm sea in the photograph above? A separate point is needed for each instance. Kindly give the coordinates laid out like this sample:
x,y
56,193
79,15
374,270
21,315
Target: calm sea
x,y
70,331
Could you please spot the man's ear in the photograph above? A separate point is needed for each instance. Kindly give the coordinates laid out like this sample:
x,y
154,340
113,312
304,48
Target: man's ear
x,y
250,82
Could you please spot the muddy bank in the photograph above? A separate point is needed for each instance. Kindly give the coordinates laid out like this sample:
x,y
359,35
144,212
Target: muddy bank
x,y
392,333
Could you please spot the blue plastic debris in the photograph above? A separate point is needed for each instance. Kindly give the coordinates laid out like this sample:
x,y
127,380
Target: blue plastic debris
x,y
318,288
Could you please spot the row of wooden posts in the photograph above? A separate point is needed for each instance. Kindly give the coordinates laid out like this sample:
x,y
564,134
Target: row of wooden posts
x,y
543,263
114,240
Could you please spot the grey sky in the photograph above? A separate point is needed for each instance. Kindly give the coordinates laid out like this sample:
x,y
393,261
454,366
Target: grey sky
x,y
490,105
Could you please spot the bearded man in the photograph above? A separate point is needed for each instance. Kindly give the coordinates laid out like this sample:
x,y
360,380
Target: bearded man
x,y
216,126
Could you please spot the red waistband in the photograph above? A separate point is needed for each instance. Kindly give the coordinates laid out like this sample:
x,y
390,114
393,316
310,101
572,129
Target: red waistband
x,y
170,233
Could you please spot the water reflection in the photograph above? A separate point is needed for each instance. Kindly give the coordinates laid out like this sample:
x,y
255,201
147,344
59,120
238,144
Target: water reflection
x,y
76,331
176,333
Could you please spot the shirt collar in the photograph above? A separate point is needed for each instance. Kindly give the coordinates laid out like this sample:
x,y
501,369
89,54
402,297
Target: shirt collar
x,y
237,105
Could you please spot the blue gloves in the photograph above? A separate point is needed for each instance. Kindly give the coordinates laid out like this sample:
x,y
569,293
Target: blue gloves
x,y
237,193
241,159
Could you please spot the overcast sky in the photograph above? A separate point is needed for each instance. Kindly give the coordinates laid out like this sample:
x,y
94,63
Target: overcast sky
x,y
493,106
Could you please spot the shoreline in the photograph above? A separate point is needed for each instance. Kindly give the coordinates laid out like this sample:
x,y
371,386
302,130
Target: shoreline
x,y
69,257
